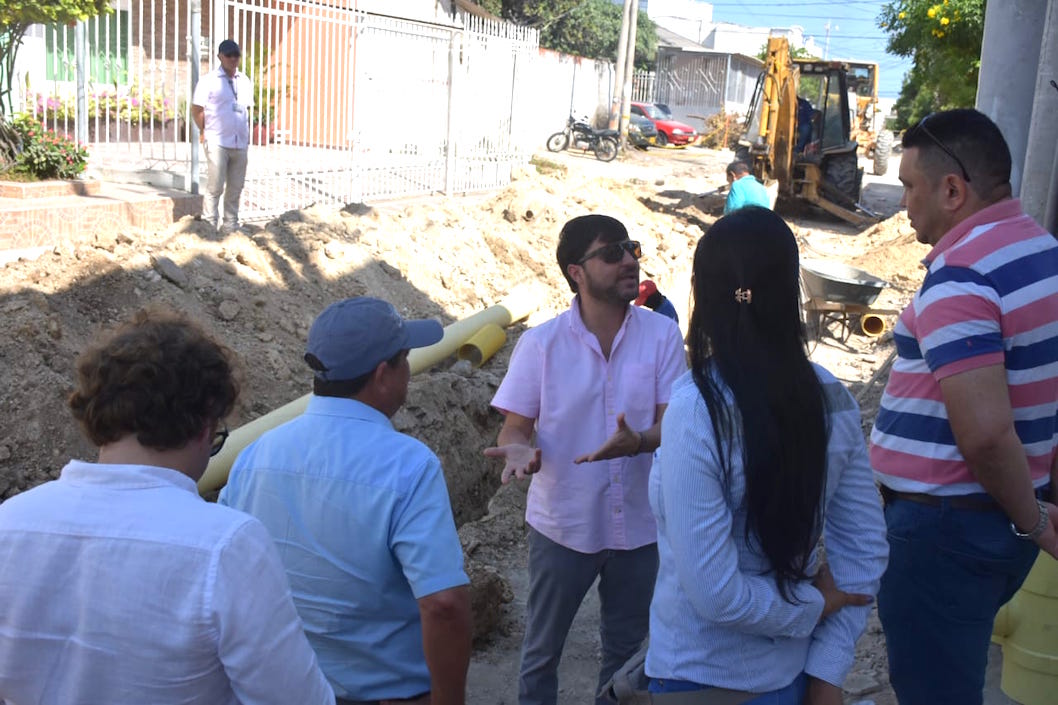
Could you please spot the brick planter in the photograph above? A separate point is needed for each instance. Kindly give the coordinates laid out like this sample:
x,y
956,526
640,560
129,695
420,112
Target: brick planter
x,y
47,189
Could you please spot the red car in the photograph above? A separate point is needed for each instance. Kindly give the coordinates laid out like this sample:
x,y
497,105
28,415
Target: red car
x,y
669,131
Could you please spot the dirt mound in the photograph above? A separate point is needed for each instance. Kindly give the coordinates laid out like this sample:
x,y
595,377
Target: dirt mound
x,y
259,290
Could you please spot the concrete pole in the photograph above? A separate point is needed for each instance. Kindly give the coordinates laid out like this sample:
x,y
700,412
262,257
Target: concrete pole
x,y
619,76
1039,184
1010,57
630,67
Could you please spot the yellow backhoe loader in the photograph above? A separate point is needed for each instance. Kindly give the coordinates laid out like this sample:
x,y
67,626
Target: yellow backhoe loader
x,y
868,128
798,134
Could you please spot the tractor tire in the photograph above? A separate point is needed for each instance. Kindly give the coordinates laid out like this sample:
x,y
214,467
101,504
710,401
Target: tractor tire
x,y
606,149
663,139
883,147
842,178
557,142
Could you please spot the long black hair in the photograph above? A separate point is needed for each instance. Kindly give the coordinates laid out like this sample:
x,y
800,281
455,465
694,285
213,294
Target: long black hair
x,y
746,334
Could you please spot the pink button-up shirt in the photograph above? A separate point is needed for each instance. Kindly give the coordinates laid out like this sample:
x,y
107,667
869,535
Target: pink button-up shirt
x,y
559,377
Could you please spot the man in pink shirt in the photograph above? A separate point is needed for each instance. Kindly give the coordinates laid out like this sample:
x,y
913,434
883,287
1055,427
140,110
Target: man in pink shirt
x,y
593,384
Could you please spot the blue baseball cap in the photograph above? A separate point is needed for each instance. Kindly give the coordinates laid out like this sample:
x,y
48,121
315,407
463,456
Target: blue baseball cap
x,y
351,337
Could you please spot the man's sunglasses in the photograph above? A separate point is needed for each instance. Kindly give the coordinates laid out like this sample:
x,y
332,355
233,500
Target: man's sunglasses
x,y
943,147
218,440
614,252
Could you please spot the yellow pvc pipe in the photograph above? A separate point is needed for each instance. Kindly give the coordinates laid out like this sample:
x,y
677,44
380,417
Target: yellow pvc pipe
x,y
1027,629
482,345
518,304
872,325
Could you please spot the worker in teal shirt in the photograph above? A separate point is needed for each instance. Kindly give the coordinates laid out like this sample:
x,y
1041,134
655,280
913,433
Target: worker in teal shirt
x,y
745,189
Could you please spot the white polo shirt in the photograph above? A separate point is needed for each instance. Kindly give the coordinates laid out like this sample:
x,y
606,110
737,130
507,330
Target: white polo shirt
x,y
226,100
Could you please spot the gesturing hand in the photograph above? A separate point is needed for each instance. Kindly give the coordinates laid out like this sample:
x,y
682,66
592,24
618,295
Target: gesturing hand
x,y
624,441
520,460
833,598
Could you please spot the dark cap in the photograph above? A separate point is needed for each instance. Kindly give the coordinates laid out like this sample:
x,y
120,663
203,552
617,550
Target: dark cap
x,y
647,289
351,337
228,47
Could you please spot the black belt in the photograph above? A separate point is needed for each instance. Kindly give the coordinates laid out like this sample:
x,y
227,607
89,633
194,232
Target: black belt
x,y
980,502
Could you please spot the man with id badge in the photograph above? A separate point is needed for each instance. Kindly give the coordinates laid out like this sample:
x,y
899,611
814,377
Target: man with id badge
x,y
219,107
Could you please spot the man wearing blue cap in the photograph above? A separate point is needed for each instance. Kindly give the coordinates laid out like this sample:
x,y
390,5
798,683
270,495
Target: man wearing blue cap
x,y
220,107
361,517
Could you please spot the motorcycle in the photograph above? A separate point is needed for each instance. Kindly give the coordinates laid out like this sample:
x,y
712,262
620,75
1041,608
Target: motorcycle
x,y
581,135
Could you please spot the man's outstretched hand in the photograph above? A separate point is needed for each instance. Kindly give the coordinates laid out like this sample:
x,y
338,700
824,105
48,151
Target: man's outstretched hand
x,y
624,441
520,460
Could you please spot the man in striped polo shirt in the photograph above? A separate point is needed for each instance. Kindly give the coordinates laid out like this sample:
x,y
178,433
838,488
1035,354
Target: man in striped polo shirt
x,y
964,443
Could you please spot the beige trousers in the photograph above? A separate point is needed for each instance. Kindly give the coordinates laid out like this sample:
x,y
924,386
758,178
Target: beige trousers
x,y
227,173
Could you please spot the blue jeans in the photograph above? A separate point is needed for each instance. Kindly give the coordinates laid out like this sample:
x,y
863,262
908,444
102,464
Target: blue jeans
x,y
559,578
950,570
788,695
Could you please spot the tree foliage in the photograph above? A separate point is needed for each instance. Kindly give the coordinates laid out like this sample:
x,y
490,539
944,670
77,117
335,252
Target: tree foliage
x,y
795,53
15,18
943,38
589,28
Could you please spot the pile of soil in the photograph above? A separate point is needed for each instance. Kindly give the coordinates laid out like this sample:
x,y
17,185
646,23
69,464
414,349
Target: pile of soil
x,y
259,289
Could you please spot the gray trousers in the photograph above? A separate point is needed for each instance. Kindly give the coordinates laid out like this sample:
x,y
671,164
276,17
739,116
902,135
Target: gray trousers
x,y
559,578
227,173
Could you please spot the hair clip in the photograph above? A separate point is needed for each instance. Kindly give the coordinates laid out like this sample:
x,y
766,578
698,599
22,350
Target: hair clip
x,y
744,296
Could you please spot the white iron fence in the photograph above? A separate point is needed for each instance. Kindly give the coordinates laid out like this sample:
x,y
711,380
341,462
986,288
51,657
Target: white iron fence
x,y
348,106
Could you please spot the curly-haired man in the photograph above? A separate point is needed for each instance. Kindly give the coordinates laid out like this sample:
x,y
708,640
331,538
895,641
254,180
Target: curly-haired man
x,y
119,583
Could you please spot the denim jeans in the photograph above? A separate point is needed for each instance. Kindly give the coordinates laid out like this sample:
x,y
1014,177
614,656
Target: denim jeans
x,y
950,570
788,695
559,578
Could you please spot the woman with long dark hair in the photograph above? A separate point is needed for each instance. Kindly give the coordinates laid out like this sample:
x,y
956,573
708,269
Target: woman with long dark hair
x,y
762,454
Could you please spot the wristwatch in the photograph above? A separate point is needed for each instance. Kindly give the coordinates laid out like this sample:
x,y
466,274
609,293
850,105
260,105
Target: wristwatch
x,y
1041,525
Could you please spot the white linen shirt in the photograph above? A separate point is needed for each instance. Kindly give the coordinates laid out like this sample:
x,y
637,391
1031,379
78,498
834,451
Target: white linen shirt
x,y
226,101
119,584
559,376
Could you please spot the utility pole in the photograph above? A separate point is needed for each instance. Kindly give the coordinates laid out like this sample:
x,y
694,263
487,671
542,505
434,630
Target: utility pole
x,y
826,42
619,67
630,67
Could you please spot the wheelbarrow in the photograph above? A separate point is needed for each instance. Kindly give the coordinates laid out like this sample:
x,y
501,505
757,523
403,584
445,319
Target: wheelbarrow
x,y
837,298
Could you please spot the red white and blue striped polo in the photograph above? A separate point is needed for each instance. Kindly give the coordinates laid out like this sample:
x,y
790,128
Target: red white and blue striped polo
x,y
990,296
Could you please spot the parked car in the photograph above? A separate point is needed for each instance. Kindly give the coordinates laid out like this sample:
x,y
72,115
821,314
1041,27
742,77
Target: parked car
x,y
669,131
641,132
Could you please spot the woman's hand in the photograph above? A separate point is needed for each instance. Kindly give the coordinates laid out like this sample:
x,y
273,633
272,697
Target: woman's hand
x,y
833,598
819,692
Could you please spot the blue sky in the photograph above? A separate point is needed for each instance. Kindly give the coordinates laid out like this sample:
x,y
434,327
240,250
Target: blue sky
x,y
854,32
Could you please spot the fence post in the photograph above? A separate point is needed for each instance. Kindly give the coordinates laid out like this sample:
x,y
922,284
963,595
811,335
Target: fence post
x,y
450,152
196,63
80,49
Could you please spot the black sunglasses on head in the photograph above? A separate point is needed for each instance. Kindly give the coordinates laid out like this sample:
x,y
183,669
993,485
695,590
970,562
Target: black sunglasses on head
x,y
943,147
614,252
218,440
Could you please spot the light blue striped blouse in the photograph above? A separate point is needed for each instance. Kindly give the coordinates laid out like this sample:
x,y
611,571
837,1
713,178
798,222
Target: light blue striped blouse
x,y
716,617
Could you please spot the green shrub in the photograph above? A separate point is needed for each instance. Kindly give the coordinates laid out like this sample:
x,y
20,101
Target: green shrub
x,y
46,154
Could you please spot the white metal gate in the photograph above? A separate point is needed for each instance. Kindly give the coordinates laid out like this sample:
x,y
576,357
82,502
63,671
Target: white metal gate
x,y
366,107
349,106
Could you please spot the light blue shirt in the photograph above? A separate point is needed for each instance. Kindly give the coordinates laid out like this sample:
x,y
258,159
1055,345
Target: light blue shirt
x,y
746,191
717,617
362,520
